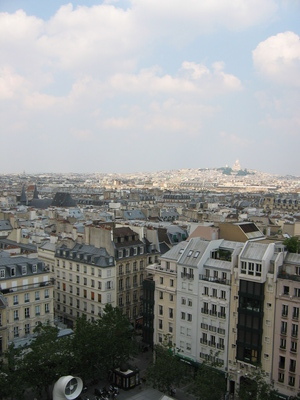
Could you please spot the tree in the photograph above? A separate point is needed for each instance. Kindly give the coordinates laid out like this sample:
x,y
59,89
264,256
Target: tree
x,y
117,338
292,244
102,345
166,371
209,382
12,382
255,386
46,359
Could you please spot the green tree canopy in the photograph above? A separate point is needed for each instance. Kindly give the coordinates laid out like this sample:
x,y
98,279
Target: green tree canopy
x,y
209,383
166,371
46,359
292,244
255,386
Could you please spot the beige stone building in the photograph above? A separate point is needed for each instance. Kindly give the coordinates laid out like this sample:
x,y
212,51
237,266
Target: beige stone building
x,y
26,298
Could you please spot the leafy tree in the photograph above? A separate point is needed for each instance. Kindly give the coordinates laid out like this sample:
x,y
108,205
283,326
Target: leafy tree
x,y
12,382
102,345
117,338
209,382
292,244
46,359
166,371
256,387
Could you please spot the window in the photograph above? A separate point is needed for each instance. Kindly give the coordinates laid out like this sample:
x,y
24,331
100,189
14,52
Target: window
x,y
37,295
190,302
280,377
182,315
183,300
291,381
24,269
170,312
214,293
15,299
285,310
170,328
171,282
27,329
160,324
34,268
189,317
283,328
282,343
293,346
286,290
258,269
161,280
16,315
85,293
294,330
46,293
161,295
85,281
243,267
37,310
281,362
223,294
47,310
171,297
27,312
206,291
16,331
77,279
2,273
160,310
297,292
296,313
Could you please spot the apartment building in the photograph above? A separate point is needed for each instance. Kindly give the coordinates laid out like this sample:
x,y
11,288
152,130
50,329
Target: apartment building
x,y
286,364
85,282
252,321
26,298
214,294
165,297
203,299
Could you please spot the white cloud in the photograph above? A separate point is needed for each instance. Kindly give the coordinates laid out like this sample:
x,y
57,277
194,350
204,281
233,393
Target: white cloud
x,y
10,83
181,20
278,58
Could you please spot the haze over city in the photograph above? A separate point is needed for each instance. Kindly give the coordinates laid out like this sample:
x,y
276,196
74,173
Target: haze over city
x,y
148,85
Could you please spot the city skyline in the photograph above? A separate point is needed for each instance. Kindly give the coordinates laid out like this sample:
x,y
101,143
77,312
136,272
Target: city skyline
x,y
127,86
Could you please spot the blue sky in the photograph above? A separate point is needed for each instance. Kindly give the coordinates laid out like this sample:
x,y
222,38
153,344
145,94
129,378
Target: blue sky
x,y
146,85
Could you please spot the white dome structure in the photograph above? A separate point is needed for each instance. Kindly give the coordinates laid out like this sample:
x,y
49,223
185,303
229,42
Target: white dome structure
x,y
67,388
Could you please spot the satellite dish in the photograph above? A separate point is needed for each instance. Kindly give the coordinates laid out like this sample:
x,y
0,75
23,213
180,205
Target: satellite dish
x,y
67,388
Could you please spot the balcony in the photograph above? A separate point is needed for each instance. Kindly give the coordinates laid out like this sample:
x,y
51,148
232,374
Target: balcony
x,y
203,341
221,315
214,279
295,317
185,275
204,311
213,313
283,332
28,287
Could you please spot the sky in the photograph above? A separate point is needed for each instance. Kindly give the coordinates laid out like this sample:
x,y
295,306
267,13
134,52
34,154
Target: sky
x,y
149,85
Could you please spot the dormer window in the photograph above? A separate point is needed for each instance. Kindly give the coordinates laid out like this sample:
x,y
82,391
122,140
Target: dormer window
x,y
2,273
135,251
24,269
13,271
190,253
120,253
34,268
141,250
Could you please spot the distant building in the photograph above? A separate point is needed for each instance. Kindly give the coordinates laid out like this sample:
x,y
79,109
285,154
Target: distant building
x,y
26,298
